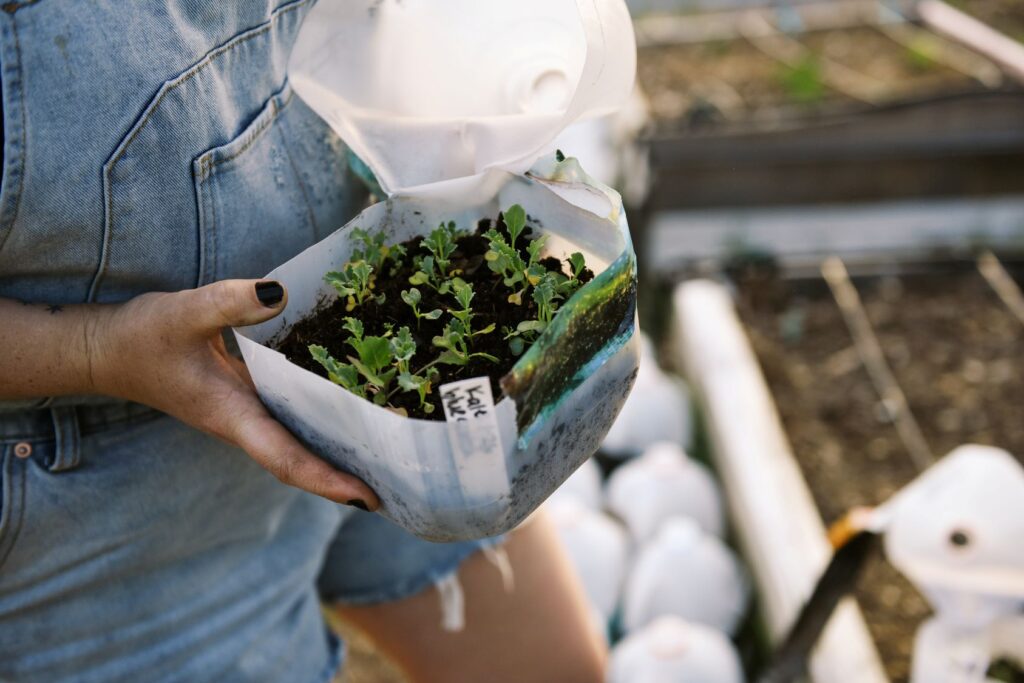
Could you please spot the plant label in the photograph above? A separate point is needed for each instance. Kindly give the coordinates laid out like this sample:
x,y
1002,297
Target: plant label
x,y
473,431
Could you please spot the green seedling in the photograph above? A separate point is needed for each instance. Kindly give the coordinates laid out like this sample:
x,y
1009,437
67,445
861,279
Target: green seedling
x,y
403,348
577,264
422,384
441,245
455,343
427,274
412,297
517,275
546,296
515,222
374,359
566,285
397,254
340,373
524,333
464,295
501,258
504,258
354,282
373,250
534,270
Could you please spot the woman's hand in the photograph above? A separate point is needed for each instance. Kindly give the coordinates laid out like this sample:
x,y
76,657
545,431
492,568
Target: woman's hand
x,y
165,350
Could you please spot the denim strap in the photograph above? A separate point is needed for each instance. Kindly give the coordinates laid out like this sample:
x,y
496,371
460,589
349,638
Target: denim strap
x,y
66,451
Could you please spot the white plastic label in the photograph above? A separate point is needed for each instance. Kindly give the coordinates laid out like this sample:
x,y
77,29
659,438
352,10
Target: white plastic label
x,y
469,409
473,434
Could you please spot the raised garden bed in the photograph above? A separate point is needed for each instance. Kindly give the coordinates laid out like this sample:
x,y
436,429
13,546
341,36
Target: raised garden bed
x,y
759,113
957,353
701,85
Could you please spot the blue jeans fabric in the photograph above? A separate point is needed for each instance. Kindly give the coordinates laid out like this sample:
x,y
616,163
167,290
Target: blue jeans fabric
x,y
147,551
157,145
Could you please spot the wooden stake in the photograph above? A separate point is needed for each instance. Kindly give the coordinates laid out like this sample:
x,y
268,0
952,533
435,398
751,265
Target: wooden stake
x,y
1004,285
871,355
978,36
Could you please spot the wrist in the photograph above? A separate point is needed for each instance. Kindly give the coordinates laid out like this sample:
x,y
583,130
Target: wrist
x,y
96,330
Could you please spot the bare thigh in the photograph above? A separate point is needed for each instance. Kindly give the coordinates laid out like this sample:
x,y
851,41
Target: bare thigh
x,y
541,631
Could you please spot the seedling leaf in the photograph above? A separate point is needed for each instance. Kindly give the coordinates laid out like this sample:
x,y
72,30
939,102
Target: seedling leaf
x,y
515,221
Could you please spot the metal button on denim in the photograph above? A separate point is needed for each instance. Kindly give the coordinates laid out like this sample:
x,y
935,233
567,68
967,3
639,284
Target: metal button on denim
x,y
23,449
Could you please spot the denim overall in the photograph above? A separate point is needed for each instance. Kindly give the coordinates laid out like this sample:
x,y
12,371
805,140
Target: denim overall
x,y
158,146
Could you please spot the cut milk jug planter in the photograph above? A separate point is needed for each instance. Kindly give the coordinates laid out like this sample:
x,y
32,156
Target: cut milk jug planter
x,y
453,105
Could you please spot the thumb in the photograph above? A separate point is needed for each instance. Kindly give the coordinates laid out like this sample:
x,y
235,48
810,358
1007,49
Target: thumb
x,y
234,303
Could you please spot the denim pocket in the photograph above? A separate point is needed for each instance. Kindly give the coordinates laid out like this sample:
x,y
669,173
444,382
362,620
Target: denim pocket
x,y
277,188
152,239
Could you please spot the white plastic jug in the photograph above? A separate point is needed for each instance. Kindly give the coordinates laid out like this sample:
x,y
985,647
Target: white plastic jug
x,y
448,102
664,482
689,574
673,650
431,90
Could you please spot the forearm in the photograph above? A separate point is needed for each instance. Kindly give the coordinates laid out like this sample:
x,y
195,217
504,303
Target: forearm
x,y
165,350
46,350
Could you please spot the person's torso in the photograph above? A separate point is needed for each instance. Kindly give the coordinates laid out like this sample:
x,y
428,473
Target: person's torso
x,y
157,146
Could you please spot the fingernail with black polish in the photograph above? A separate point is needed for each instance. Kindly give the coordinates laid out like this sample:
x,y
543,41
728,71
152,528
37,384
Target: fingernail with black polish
x,y
356,503
270,293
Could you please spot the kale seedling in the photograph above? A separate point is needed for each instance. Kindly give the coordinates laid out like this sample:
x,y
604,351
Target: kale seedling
x,y
455,342
412,297
427,274
515,222
403,346
441,244
534,270
503,258
340,373
421,383
373,250
464,295
458,333
353,282
525,332
577,264
433,270
546,296
374,361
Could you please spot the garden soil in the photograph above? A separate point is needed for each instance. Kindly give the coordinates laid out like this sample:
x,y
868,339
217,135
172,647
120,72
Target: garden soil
x,y
1006,16
490,305
957,353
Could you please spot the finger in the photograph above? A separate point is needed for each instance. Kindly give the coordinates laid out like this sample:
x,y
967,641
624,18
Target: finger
x,y
230,303
274,447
